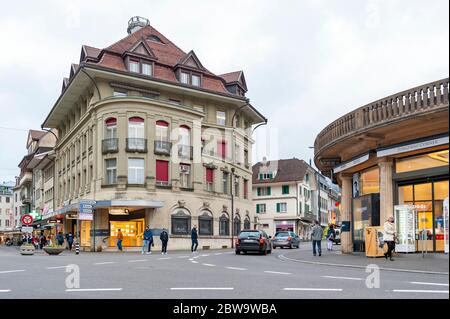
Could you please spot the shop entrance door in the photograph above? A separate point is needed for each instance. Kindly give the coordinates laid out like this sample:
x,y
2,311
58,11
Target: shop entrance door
x,y
132,231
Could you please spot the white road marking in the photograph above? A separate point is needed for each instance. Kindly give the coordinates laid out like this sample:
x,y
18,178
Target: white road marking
x,y
191,259
427,283
209,265
105,263
345,278
312,289
217,254
137,260
5,290
165,258
11,271
203,288
93,289
194,262
57,267
183,256
422,291
206,255
277,272
236,268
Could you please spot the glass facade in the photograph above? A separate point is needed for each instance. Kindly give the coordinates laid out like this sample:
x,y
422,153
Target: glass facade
x,y
424,161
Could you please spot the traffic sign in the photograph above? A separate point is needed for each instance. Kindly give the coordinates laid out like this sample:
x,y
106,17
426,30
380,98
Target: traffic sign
x,y
27,229
27,219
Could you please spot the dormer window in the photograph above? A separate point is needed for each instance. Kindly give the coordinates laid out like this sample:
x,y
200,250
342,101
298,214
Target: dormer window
x,y
146,69
190,78
134,66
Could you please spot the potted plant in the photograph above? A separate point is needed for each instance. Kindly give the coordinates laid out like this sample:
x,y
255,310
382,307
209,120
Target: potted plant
x,y
27,249
54,249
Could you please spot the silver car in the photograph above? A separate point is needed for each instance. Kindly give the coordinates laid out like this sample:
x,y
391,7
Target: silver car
x,y
286,239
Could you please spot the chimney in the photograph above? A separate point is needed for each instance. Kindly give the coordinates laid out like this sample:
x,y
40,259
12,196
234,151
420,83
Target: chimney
x,y
136,23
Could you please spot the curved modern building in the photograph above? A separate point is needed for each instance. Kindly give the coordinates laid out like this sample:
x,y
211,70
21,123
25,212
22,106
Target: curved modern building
x,y
149,136
392,152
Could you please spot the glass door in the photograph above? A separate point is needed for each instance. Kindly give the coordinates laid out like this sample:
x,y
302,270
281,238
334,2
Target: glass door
x,y
440,190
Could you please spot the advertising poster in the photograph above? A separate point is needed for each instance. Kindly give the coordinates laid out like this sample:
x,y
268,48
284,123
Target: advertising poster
x,y
405,227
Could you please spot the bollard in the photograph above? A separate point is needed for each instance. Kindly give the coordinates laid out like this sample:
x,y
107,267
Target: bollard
x,y
77,248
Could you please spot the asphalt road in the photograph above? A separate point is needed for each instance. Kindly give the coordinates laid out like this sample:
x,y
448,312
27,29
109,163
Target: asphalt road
x,y
206,274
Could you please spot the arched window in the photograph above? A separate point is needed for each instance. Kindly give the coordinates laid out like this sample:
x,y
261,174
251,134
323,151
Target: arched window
x,y
247,222
184,146
205,224
237,225
224,225
162,131
135,127
111,128
181,222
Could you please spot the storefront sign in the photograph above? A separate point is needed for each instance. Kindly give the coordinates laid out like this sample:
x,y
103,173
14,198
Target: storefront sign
x,y
413,146
350,164
405,225
100,232
49,214
85,216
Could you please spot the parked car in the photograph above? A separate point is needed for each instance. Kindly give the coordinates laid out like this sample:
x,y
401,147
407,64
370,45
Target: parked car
x,y
253,240
286,239
337,239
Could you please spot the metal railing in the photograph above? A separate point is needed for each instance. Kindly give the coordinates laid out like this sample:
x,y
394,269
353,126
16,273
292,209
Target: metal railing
x,y
137,145
162,147
420,99
110,145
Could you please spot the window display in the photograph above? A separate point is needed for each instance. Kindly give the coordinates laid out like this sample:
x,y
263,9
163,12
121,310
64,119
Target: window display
x,y
405,228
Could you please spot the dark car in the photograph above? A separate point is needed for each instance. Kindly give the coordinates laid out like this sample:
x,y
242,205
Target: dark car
x,y
253,240
286,239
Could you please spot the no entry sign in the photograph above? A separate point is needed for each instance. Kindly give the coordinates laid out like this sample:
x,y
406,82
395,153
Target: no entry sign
x,y
27,220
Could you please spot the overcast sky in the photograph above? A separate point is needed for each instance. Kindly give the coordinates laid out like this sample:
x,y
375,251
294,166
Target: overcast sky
x,y
306,62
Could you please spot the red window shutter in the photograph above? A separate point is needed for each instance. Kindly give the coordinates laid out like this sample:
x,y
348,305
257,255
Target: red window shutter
x,y
111,121
162,171
162,123
209,175
222,149
136,119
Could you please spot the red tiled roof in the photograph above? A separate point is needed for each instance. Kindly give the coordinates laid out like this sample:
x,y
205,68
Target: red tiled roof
x,y
36,135
167,56
288,170
231,77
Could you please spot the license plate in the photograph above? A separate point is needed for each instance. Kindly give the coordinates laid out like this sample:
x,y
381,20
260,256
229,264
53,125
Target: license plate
x,y
248,241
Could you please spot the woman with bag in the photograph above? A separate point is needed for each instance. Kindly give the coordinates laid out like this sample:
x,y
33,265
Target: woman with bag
x,y
331,235
389,237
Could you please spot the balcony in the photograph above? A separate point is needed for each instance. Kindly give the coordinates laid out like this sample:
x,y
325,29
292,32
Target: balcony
x,y
162,147
185,151
137,145
110,145
385,122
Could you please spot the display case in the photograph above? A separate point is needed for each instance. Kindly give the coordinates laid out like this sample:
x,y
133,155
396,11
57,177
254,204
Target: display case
x,y
405,225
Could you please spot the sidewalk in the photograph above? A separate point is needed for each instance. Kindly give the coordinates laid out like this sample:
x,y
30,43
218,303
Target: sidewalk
x,y
431,263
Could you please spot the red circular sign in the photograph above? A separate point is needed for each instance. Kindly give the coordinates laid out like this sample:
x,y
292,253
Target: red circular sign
x,y
27,219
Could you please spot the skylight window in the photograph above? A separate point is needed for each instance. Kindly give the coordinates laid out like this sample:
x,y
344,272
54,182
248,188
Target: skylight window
x,y
154,38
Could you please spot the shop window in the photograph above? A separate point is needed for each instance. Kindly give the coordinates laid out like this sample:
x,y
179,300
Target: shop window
x,y
205,224
370,181
224,225
419,162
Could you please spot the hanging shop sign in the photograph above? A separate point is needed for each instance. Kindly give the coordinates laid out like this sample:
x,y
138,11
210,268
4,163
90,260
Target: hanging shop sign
x,y
405,225
413,146
49,214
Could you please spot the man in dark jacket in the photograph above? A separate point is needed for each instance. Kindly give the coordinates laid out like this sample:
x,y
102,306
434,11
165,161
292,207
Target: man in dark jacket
x,y
69,238
194,239
147,240
60,239
164,236
150,241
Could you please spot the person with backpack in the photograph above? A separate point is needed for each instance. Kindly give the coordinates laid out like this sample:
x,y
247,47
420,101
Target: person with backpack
x,y
60,239
147,240
331,236
164,236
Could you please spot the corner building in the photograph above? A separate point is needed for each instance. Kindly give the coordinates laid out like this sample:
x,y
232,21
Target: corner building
x,y
154,138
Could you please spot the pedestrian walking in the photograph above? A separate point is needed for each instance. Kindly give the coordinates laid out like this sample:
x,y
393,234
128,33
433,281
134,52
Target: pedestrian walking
x,y
164,236
36,242
317,234
119,239
60,239
194,239
389,237
69,238
147,240
43,242
331,236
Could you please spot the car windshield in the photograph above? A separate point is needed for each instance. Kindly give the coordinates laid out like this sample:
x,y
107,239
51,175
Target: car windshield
x,y
283,234
254,234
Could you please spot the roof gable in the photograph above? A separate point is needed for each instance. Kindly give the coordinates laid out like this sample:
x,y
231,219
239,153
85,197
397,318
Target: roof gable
x,y
191,60
141,48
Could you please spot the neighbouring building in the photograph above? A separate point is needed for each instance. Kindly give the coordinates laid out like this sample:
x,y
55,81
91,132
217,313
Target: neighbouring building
x,y
283,196
394,151
8,221
148,136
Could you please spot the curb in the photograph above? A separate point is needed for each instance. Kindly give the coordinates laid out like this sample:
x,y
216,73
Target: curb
x,y
362,267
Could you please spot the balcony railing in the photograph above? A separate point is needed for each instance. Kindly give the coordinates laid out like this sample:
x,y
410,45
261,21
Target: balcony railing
x,y
422,99
110,145
185,151
137,145
162,147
